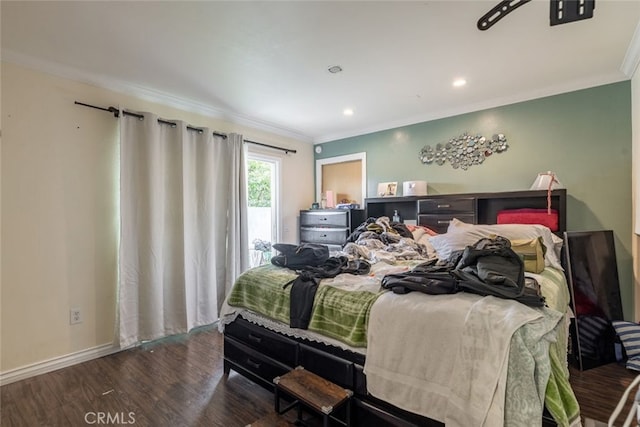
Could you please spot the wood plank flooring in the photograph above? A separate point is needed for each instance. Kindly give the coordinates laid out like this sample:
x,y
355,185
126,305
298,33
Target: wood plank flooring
x,y
598,390
179,382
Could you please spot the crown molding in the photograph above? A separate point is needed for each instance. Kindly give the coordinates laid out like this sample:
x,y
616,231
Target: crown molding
x,y
479,106
632,57
628,68
147,94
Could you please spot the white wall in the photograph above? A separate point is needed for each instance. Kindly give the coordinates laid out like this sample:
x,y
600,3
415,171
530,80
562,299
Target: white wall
x,y
59,213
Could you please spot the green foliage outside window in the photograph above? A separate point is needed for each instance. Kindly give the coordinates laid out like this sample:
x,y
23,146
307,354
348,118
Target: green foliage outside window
x,y
259,177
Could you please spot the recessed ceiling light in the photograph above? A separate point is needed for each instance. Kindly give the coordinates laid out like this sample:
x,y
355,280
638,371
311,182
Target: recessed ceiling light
x,y
348,112
459,82
335,69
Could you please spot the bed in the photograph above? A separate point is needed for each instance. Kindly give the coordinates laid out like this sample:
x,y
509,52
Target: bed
x,y
414,359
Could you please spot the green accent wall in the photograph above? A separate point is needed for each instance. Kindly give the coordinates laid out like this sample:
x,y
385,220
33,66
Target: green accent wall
x,y
582,136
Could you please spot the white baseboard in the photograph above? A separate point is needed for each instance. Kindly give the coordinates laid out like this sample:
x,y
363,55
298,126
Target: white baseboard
x,y
56,363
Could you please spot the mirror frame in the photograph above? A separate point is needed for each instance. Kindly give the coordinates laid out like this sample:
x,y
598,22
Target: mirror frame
x,y
341,159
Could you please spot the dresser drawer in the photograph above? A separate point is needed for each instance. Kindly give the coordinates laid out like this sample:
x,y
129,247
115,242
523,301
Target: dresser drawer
x,y
440,223
324,218
252,361
334,369
264,341
324,236
447,205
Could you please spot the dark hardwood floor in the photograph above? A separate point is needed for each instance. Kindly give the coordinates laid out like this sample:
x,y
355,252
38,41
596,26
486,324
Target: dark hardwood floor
x,y
179,382
176,382
598,390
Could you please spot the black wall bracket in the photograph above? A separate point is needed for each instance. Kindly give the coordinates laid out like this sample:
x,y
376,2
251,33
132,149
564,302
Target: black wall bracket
x,y
564,11
498,12
561,11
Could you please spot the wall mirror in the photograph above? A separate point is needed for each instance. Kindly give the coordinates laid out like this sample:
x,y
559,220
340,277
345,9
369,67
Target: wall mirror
x,y
592,272
345,176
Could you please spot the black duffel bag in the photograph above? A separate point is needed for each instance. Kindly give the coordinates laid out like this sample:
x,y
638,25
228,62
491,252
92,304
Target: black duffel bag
x,y
429,278
491,267
299,256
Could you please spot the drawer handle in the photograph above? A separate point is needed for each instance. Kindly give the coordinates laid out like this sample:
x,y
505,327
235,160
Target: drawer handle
x,y
324,219
442,221
444,206
255,338
323,235
253,364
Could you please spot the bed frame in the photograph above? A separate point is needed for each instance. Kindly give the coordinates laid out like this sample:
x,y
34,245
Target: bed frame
x,y
261,354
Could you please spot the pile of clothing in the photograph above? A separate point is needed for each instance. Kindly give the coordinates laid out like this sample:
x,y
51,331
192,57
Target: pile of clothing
x,y
379,239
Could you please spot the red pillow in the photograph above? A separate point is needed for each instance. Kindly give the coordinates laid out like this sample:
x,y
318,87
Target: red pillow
x,y
529,216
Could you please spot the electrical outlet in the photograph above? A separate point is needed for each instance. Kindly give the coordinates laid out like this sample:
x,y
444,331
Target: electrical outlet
x,y
75,316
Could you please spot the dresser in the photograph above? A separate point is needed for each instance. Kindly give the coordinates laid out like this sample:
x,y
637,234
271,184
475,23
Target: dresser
x,y
329,227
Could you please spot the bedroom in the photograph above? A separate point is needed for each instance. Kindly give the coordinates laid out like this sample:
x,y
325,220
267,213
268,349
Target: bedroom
x,y
59,239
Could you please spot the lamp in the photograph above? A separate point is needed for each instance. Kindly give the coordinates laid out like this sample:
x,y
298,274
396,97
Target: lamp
x,y
546,181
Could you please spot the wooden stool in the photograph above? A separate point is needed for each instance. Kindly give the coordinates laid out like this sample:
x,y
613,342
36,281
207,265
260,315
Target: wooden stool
x,y
315,392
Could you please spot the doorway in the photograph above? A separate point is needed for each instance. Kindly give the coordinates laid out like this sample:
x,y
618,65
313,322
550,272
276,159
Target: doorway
x,y
263,189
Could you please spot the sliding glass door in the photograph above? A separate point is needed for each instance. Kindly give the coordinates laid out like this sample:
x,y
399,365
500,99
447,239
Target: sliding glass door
x,y
263,190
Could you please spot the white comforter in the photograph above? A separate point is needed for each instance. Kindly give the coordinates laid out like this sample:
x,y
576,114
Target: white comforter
x,y
447,361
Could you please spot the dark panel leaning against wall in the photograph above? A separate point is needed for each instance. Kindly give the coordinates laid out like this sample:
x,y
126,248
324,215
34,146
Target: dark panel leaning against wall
x,y
582,136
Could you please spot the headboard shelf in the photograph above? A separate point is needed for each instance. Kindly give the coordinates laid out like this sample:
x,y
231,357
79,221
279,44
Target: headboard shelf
x,y
483,209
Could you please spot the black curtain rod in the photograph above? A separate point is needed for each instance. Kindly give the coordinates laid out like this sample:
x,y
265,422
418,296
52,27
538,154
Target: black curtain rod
x,y
116,113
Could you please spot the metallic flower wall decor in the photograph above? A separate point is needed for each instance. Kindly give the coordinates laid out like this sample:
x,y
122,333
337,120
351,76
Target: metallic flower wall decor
x,y
464,151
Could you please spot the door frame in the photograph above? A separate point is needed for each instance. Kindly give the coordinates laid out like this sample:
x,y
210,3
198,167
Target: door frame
x,y
276,192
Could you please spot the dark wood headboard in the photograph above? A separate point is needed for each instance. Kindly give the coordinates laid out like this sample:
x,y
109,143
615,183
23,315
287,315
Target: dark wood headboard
x,y
485,205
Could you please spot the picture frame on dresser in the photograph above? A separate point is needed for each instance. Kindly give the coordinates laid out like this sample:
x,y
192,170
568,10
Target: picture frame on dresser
x,y
387,189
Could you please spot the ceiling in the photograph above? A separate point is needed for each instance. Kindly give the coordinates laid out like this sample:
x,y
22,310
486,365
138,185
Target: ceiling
x,y
265,64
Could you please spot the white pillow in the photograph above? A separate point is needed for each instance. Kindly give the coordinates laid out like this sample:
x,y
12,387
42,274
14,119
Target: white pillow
x,y
424,240
446,243
552,242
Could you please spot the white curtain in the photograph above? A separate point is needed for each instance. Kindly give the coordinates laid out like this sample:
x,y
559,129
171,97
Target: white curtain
x,y
183,207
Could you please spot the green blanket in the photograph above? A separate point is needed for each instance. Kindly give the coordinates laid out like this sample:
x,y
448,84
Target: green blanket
x,y
342,315
559,398
261,290
336,313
